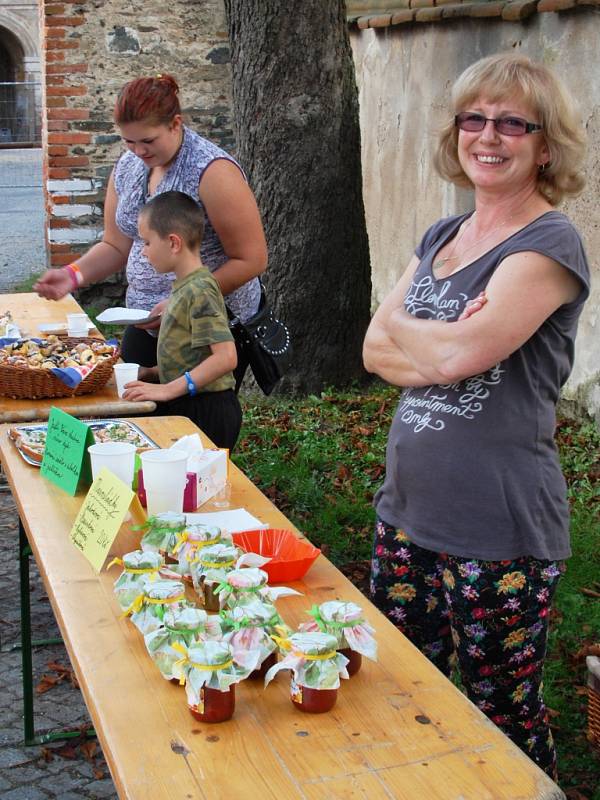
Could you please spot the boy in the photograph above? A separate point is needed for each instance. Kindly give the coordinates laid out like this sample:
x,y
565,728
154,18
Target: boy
x,y
196,352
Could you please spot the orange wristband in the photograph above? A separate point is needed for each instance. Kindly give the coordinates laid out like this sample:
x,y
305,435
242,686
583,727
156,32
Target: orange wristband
x,y
75,275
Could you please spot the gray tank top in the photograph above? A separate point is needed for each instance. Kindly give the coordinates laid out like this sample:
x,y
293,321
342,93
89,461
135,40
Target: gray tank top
x,y
472,468
146,286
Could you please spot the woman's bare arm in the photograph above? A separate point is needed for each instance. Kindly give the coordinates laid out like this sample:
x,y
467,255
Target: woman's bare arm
x,y
523,292
233,213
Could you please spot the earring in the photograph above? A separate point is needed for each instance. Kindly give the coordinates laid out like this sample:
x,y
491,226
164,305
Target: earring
x,y
542,167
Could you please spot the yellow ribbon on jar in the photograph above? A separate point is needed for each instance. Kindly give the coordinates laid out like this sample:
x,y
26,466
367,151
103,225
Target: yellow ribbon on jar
x,y
315,657
214,564
184,538
181,662
133,571
139,601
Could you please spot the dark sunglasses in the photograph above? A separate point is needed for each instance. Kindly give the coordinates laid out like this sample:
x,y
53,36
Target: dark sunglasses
x,y
509,126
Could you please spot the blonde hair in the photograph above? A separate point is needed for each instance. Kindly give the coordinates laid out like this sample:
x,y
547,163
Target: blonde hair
x,y
505,75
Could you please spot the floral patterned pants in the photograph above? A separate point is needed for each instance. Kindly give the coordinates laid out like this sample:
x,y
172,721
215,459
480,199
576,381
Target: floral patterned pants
x,y
493,615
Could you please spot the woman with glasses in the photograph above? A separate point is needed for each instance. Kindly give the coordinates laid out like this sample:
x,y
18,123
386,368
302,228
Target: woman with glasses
x,y
472,519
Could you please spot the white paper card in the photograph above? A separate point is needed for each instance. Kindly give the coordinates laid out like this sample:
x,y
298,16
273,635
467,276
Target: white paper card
x,y
234,520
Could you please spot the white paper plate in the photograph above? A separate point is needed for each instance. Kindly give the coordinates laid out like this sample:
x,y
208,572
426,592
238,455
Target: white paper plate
x,y
59,327
125,316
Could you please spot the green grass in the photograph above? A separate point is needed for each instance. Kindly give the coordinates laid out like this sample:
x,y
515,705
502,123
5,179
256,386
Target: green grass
x,y
321,459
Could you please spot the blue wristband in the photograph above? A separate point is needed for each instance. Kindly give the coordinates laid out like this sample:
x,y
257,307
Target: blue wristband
x,y
191,386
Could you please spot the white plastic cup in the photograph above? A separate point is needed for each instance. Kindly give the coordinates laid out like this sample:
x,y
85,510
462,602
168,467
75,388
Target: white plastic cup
x,y
118,457
77,325
124,373
165,473
222,498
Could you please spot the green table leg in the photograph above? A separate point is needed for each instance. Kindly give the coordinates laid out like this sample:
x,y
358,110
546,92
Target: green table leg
x,y
26,654
26,659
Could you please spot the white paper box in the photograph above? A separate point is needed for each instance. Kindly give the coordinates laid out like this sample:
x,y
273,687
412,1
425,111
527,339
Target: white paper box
x,y
211,469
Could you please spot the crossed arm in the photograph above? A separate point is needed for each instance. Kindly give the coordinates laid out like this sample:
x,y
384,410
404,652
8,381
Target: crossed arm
x,y
407,351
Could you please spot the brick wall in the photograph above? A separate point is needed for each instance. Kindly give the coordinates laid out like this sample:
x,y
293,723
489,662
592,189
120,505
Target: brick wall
x,y
90,48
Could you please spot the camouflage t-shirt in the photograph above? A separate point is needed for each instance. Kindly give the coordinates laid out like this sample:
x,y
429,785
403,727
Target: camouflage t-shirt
x,y
194,319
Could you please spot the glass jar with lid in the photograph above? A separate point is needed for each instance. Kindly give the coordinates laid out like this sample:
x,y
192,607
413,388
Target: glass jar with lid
x,y
316,668
346,622
210,670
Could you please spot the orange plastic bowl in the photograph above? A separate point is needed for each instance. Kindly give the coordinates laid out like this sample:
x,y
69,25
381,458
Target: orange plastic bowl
x,y
291,558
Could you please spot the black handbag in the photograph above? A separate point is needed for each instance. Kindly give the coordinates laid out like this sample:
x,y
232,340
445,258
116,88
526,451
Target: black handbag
x,y
264,341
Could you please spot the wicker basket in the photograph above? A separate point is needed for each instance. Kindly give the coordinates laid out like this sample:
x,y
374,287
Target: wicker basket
x,y
28,383
593,687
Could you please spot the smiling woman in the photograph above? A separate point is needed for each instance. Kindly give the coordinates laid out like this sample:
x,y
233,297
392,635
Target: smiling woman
x,y
473,520
163,154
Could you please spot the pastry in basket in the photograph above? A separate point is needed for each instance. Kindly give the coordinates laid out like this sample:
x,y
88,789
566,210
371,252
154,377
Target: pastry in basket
x,y
52,352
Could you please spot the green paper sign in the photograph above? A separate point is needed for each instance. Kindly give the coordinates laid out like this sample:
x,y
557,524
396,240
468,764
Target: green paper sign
x,y
66,461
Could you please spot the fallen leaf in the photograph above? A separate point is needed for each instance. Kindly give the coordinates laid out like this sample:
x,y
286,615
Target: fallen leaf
x,y
89,749
47,754
46,683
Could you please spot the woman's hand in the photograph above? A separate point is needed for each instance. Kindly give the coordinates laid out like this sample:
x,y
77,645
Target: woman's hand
x,y
156,311
138,390
473,306
54,284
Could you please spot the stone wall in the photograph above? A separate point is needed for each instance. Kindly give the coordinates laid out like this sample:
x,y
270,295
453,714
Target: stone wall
x,y
90,49
404,73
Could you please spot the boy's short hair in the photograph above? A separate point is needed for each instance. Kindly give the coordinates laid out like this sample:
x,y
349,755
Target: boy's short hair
x,y
175,212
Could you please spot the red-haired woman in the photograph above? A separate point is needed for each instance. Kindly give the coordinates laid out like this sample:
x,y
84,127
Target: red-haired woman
x,y
163,154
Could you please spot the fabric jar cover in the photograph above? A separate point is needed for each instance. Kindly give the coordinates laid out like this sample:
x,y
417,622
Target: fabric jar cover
x,y
190,541
161,531
213,563
313,659
214,665
148,609
239,584
344,621
139,568
250,626
183,625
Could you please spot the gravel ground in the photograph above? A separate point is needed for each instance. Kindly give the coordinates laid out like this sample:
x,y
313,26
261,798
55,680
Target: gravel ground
x,y
22,246
71,770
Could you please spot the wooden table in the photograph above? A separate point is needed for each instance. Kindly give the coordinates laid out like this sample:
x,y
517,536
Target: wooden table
x,y
29,311
400,729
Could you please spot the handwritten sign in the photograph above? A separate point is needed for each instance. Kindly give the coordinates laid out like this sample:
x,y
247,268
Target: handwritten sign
x,y
66,461
100,517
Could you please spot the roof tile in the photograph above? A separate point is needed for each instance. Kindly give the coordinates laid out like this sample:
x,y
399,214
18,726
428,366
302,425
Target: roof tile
x,y
519,9
555,5
399,17
428,14
491,9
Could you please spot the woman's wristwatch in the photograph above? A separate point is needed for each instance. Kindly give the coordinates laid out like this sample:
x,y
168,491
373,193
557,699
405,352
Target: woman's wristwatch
x,y
191,386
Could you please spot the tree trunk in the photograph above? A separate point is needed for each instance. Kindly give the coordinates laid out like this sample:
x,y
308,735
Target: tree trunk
x,y
296,115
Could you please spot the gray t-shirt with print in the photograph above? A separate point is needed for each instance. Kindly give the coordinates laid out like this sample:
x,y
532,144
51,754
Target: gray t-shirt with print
x,y
472,468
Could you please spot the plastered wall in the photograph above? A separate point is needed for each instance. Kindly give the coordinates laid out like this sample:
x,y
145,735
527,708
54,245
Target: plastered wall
x,y
404,74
